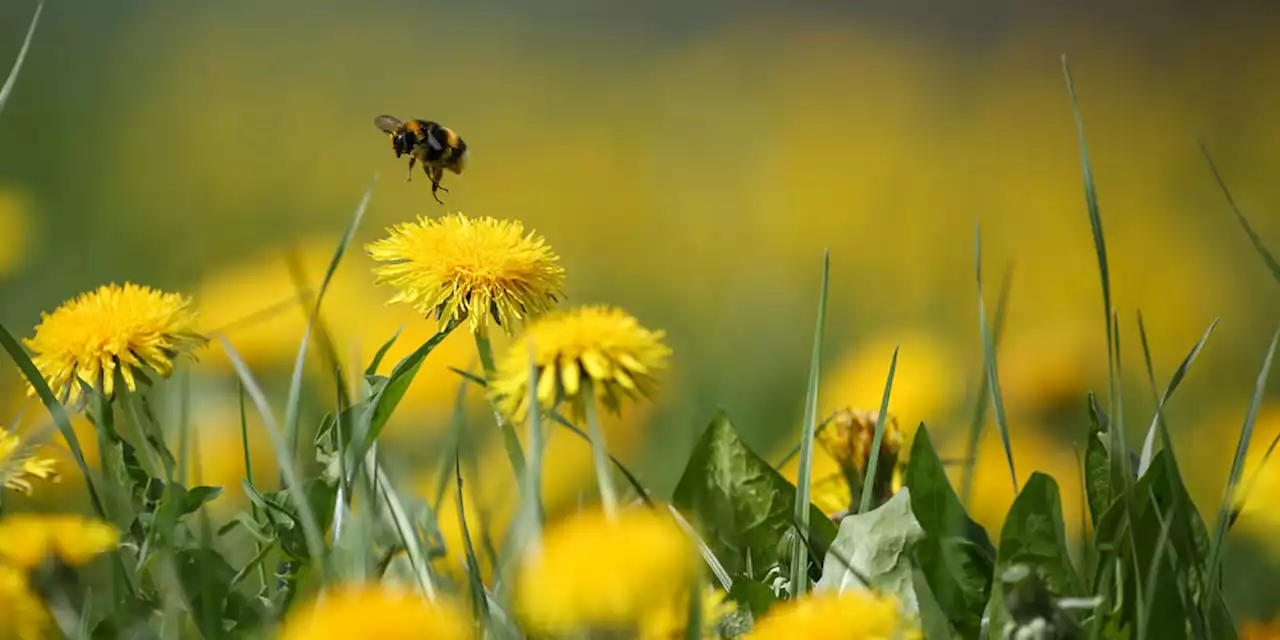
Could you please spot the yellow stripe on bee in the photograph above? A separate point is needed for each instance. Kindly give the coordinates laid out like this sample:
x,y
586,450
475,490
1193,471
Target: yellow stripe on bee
x,y
451,137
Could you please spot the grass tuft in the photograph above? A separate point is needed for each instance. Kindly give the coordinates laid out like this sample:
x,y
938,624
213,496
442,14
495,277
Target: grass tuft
x,y
799,550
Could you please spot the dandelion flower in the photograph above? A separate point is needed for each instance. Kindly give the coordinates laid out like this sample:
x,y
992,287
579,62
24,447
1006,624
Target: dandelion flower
x,y
20,463
128,329
356,612
25,617
592,571
460,268
603,344
26,540
670,622
852,615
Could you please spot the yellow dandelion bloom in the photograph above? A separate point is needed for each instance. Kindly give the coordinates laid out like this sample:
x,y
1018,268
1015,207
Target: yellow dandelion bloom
x,y
854,615
25,617
127,329
604,344
1256,630
838,475
19,463
670,621
27,539
461,268
356,612
594,572
15,217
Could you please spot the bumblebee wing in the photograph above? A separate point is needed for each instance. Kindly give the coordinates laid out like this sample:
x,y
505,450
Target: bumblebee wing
x,y
387,124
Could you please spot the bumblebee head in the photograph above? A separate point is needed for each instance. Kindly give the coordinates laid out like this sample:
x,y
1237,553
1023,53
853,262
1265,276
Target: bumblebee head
x,y
402,142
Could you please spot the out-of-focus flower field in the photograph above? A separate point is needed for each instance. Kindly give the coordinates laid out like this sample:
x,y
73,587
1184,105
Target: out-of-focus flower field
x,y
689,163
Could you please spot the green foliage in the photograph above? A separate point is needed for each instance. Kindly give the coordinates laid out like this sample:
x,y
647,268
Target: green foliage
x,y
873,550
743,507
955,555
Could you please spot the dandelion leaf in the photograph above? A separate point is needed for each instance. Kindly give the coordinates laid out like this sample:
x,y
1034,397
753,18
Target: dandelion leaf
x,y
955,555
742,505
873,551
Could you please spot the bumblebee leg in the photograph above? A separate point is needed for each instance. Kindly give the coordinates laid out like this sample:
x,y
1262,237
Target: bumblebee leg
x,y
435,186
409,178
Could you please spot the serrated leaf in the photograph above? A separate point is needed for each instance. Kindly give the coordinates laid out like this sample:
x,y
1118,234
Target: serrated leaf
x,y
876,546
206,579
741,504
1033,535
955,556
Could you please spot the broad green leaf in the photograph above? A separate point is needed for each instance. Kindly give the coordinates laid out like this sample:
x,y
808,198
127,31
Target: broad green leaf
x,y
877,547
741,504
752,595
206,578
1097,477
1034,535
955,556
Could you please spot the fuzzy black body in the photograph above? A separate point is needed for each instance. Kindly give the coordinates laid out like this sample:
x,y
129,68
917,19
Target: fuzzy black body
x,y
436,146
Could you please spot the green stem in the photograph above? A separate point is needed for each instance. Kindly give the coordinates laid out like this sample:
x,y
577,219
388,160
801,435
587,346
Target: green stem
x,y
248,474
510,440
608,494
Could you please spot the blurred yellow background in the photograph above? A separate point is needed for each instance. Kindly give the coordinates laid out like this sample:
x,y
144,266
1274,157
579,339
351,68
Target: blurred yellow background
x,y
690,163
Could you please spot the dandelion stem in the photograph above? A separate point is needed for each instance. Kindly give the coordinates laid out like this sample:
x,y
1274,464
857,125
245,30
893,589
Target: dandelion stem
x,y
608,494
510,440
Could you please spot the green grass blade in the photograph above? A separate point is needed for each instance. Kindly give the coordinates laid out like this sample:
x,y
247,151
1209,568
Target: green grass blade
x,y
1095,224
873,462
980,404
284,456
708,556
1153,573
479,598
408,534
1237,467
599,448
529,527
7,89
510,440
58,413
382,352
1148,444
248,473
799,551
295,382
989,361
1254,238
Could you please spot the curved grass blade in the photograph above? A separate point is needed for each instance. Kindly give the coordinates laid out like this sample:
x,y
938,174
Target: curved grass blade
x,y
58,413
799,551
1099,240
873,462
7,89
1254,238
989,361
295,382
409,535
1148,444
979,420
284,455
479,599
1237,467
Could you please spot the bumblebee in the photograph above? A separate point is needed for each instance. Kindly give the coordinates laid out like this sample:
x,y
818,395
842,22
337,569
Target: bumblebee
x,y
436,146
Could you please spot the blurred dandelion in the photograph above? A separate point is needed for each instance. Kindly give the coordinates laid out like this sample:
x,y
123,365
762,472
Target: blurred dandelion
x,y
471,269
20,463
25,617
602,346
129,329
15,213
851,614
594,572
26,540
355,611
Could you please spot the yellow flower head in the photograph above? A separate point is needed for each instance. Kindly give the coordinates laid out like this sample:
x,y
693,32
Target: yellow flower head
x,y
28,539
20,462
25,617
356,612
670,622
461,268
852,615
605,344
593,572
848,438
126,329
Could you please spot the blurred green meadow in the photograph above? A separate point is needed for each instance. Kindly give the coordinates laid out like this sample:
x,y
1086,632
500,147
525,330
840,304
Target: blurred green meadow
x,y
690,162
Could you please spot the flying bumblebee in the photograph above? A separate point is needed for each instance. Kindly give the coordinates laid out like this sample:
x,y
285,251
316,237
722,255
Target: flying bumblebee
x,y
436,146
